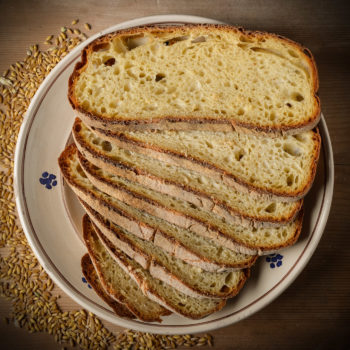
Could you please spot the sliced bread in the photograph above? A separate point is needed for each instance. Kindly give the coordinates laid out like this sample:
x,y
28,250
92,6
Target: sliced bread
x,y
91,276
283,166
183,244
117,282
184,277
152,288
192,186
235,237
196,77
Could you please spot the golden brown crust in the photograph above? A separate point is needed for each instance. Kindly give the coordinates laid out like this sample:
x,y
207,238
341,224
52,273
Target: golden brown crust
x,y
110,164
103,121
122,140
88,233
92,278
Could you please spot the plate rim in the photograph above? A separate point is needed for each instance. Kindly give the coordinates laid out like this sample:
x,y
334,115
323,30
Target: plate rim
x,y
87,303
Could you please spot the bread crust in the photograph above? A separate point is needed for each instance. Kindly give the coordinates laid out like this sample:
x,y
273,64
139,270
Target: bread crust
x,y
233,215
119,123
213,170
92,278
170,245
114,293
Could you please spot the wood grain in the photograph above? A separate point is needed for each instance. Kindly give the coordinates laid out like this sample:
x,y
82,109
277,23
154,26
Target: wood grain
x,y
314,312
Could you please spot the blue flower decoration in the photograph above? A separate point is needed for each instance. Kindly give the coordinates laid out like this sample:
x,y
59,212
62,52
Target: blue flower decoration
x,y
85,281
275,260
48,180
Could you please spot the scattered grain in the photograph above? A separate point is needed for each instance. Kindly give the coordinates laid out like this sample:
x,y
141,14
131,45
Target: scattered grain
x,y
87,26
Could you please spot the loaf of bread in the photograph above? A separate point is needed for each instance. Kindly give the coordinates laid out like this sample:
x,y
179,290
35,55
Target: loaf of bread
x,y
210,77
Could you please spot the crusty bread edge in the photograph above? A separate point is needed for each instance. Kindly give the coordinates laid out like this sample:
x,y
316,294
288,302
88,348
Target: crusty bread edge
x,y
89,272
103,121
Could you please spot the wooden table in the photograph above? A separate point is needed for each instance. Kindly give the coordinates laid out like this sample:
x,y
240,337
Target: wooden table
x,y
315,310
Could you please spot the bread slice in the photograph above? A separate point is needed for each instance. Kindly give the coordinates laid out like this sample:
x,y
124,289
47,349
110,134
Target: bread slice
x,y
184,277
91,276
196,77
191,186
117,282
282,167
235,237
184,244
152,288
178,242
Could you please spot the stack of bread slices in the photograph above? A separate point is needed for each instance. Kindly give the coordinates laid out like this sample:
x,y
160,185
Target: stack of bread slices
x,y
194,148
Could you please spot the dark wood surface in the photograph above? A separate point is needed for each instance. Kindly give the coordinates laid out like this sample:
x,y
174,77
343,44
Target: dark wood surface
x,y
314,312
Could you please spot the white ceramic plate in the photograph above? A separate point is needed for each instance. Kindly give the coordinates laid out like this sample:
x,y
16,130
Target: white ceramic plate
x,y
51,216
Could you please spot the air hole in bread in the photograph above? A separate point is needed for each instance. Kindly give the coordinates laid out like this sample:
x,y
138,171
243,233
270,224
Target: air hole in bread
x,y
101,47
209,144
240,111
245,39
272,116
271,208
292,53
213,285
290,180
95,141
109,62
106,146
228,278
200,39
239,155
81,171
224,289
267,234
299,137
242,46
291,149
131,42
159,77
296,96
77,128
173,41
288,105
